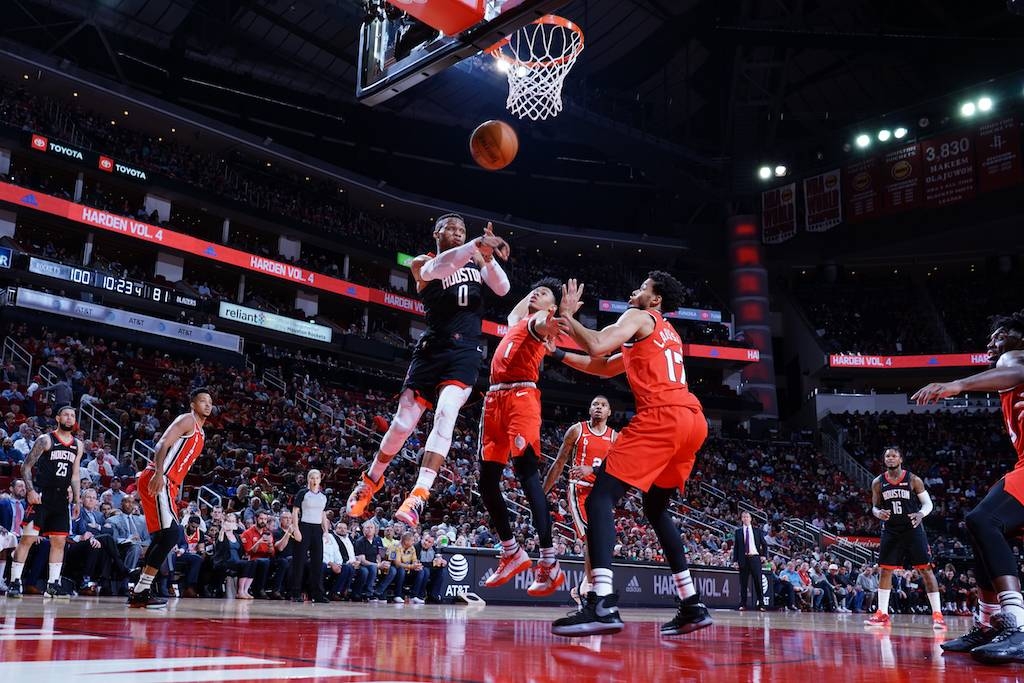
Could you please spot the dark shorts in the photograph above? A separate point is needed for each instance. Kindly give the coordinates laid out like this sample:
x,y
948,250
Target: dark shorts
x,y
436,364
904,547
52,517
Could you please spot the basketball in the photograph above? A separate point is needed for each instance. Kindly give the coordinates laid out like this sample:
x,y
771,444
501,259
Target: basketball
x,y
494,145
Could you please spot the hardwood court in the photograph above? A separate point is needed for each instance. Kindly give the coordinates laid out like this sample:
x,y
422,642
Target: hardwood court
x,y
98,639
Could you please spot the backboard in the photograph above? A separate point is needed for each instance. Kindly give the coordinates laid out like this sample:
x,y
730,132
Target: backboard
x,y
396,52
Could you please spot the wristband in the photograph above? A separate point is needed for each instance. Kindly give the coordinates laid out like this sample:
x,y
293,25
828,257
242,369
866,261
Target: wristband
x,y
558,355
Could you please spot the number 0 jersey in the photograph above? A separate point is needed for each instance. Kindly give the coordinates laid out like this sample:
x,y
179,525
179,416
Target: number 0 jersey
x,y
454,306
53,469
899,499
654,368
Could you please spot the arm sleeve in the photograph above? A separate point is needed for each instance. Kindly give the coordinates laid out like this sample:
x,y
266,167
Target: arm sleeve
x,y
495,277
926,503
446,263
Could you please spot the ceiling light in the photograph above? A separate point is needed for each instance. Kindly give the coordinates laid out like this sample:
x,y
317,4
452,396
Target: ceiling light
x,y
862,140
967,109
900,133
884,135
985,104
764,173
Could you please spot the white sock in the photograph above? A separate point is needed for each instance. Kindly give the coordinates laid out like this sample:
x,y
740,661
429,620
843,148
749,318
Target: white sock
x,y
1012,604
986,610
145,581
883,600
16,569
509,547
684,584
3,569
426,479
602,581
934,601
377,468
54,572
585,587
547,556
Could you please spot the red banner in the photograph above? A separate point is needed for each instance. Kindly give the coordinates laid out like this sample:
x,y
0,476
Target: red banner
x,y
901,184
778,214
948,168
863,200
945,360
823,201
998,148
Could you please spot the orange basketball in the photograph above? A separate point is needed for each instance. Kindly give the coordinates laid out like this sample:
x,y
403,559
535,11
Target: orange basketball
x,y
494,145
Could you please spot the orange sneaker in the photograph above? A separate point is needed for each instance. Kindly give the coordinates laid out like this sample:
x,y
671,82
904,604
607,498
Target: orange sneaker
x,y
361,495
878,619
508,567
549,577
938,622
409,512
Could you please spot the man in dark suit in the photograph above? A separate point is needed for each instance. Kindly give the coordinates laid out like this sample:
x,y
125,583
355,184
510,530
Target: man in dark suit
x,y
748,546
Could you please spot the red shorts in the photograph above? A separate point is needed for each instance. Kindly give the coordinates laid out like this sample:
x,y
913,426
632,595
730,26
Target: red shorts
x,y
658,447
158,509
510,423
577,507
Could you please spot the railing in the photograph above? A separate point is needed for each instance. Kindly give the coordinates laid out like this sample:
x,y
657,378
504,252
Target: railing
x,y
819,538
755,513
92,419
274,380
306,400
843,461
142,450
250,366
49,378
19,355
713,491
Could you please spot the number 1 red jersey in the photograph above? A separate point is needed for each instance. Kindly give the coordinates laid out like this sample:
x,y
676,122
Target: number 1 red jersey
x,y
654,368
519,355
1014,419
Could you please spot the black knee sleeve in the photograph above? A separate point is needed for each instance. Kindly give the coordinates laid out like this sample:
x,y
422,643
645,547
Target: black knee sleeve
x,y
988,523
494,503
528,473
656,502
600,506
160,545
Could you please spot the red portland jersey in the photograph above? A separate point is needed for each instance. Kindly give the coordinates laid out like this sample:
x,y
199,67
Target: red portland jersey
x,y
591,448
182,454
1014,419
519,355
654,368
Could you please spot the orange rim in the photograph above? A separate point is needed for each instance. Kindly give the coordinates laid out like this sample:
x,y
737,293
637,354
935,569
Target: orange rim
x,y
551,20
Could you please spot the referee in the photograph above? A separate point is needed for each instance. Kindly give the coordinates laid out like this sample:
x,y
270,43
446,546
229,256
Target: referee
x,y
308,510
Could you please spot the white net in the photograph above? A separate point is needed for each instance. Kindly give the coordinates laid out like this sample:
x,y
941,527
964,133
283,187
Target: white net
x,y
537,58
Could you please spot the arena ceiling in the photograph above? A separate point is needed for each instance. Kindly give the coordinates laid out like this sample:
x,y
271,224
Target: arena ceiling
x,y
686,94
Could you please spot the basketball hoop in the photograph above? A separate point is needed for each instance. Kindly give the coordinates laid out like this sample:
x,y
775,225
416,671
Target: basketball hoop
x,y
537,58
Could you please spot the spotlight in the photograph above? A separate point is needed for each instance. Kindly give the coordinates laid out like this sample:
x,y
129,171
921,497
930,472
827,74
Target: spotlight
x,y
884,135
967,109
781,171
764,173
900,133
501,65
985,104
862,140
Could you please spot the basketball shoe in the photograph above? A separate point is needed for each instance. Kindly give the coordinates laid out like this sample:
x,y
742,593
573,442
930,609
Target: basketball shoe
x,y
508,567
55,590
878,619
938,621
978,635
691,616
14,590
599,616
1008,644
145,598
547,580
361,495
409,512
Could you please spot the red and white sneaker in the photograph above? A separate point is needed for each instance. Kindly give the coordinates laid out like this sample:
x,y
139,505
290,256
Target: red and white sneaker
x,y
938,622
361,495
508,567
409,512
878,619
549,577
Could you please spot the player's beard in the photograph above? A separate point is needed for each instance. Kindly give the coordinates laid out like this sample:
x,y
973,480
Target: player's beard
x,y
65,430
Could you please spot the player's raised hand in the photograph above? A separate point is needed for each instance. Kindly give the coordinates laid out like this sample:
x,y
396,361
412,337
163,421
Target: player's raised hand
x,y
491,245
935,391
572,298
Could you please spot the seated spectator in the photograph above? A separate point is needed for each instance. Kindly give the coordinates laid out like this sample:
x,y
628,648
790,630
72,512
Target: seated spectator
x,y
867,582
258,543
406,564
102,465
429,587
229,557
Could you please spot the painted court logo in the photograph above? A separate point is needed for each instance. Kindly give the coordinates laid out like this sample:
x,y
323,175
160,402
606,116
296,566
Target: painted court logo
x,y
458,567
633,586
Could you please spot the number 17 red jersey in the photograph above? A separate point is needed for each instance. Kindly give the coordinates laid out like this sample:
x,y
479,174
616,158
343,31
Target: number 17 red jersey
x,y
655,370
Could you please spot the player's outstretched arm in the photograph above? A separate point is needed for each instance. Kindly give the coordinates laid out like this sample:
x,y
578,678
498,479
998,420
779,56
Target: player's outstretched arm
x,y
564,451
597,342
1008,373
603,366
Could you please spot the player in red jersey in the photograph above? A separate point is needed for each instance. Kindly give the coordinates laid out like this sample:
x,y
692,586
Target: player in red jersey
x,y
998,632
587,445
510,427
176,451
655,452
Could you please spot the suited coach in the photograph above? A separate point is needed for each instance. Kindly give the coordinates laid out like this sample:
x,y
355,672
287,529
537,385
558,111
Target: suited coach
x,y
747,549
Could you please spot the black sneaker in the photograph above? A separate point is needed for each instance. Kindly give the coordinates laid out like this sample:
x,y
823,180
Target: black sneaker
x,y
145,598
1006,647
691,616
598,617
55,590
978,635
14,590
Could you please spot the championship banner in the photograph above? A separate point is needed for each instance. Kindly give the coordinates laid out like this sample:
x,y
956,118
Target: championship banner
x,y
945,360
948,168
823,201
901,184
862,190
778,214
998,149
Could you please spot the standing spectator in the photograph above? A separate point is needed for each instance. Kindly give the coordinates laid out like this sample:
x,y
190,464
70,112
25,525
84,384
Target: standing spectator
x,y
308,509
748,544
62,392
